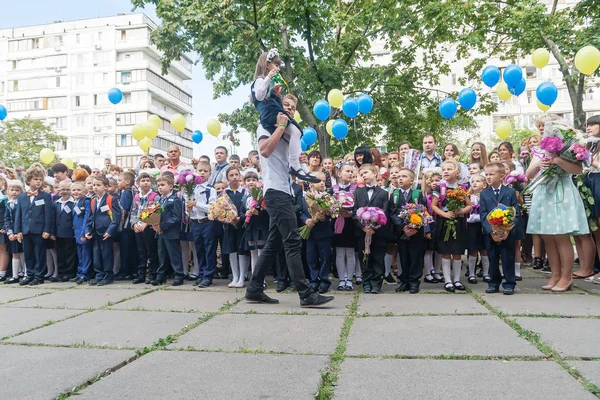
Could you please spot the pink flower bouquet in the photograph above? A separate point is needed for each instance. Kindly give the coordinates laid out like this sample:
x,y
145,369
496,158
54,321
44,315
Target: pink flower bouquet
x,y
516,180
373,218
320,206
222,210
255,203
346,203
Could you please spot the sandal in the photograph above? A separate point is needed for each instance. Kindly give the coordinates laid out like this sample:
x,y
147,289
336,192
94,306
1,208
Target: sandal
x,y
487,278
459,286
449,287
430,279
341,286
574,276
591,279
349,286
438,277
472,279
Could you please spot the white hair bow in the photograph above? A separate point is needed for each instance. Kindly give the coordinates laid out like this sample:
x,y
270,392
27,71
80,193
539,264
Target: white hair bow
x,y
273,53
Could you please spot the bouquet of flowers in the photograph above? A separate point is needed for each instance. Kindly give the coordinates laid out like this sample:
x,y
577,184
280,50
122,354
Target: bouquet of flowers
x,y
415,216
516,180
256,202
525,158
151,214
373,218
320,205
222,210
563,141
346,203
195,163
186,180
502,220
457,199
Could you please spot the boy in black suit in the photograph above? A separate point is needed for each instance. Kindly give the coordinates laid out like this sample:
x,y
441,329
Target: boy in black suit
x,y
495,194
411,250
372,195
66,247
33,224
168,232
127,245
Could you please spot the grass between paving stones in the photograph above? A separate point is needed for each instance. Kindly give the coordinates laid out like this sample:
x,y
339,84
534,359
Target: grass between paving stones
x,y
536,340
391,314
451,357
330,377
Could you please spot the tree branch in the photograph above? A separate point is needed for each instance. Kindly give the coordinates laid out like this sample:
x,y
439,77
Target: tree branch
x,y
286,57
260,42
364,34
564,67
311,55
554,4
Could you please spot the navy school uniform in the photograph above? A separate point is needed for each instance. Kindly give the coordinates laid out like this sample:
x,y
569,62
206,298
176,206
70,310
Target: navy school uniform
x,y
168,239
127,246
504,250
374,269
411,250
3,236
99,223
347,238
34,217
13,247
81,215
430,244
146,243
257,229
66,247
318,250
205,232
475,242
232,234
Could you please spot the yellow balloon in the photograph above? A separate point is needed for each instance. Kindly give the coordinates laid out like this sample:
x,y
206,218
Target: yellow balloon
x,y
503,92
150,131
46,155
297,117
178,122
587,60
335,98
145,144
329,126
68,162
213,127
138,132
503,129
542,106
154,120
540,57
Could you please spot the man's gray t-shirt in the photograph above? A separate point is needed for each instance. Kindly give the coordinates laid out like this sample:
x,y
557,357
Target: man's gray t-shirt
x,y
275,169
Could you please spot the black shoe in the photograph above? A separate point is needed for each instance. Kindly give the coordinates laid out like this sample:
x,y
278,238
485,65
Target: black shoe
x,y
414,289
430,280
74,279
190,278
282,285
518,278
260,298
35,282
26,281
366,289
177,282
292,286
10,281
148,281
492,289
104,282
358,280
546,270
390,280
64,279
303,176
93,282
376,290
402,287
315,300
197,282
205,283
3,278
138,280
487,278
314,287
459,286
53,279
324,288
158,282
472,280
80,281
538,263
449,287
509,291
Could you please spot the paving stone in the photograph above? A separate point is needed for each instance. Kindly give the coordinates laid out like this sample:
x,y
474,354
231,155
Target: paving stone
x,y
290,303
526,286
16,293
54,285
590,370
55,370
123,329
570,336
158,375
77,299
15,320
417,304
590,287
584,305
456,380
219,285
186,301
315,334
436,335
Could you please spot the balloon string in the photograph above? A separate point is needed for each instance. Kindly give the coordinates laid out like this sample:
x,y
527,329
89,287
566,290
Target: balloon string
x,y
356,132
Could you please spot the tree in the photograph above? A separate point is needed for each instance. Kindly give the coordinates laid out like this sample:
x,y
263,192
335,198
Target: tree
x,y
23,139
512,29
324,45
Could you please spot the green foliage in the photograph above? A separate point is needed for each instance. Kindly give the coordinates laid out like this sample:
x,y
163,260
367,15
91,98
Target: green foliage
x,y
324,45
23,139
516,137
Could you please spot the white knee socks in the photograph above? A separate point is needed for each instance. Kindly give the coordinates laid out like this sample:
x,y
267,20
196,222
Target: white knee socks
x,y
456,268
485,265
472,264
428,262
235,267
16,266
518,269
341,264
243,266
388,263
196,270
446,268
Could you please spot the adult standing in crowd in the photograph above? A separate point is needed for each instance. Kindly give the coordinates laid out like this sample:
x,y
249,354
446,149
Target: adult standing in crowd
x,y
219,173
174,154
159,160
429,158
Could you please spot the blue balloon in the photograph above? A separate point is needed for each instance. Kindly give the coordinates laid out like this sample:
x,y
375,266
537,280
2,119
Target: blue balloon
x,y
303,145
490,75
512,75
115,95
197,137
467,98
309,136
339,129
365,103
322,109
519,88
350,107
3,112
447,108
547,93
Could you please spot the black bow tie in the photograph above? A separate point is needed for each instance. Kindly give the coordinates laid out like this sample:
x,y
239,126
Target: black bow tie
x,y
370,187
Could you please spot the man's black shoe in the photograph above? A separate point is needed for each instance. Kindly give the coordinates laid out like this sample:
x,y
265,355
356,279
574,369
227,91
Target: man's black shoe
x,y
303,176
413,289
93,282
158,282
260,298
138,280
315,300
177,282
282,285
26,281
509,291
402,287
375,290
105,282
205,284
492,290
36,282
74,280
389,279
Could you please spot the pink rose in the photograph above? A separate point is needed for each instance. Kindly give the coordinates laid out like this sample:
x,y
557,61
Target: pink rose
x,y
198,180
381,219
189,178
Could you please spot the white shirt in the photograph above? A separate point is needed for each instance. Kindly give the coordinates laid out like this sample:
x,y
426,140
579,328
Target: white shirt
x,y
261,88
200,210
275,168
64,202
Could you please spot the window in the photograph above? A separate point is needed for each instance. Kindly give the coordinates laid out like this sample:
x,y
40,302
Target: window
x,y
531,72
14,64
78,38
169,87
27,104
80,144
101,120
58,81
123,34
125,141
127,57
99,37
102,58
124,119
126,98
59,122
15,86
530,97
77,101
35,43
125,78
57,103
101,100
80,121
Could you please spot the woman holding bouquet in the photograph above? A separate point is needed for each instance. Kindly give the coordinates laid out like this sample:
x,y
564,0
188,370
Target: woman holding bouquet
x,y
557,210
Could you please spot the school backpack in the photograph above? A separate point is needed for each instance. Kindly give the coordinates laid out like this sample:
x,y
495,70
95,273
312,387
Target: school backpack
x,y
414,196
109,200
